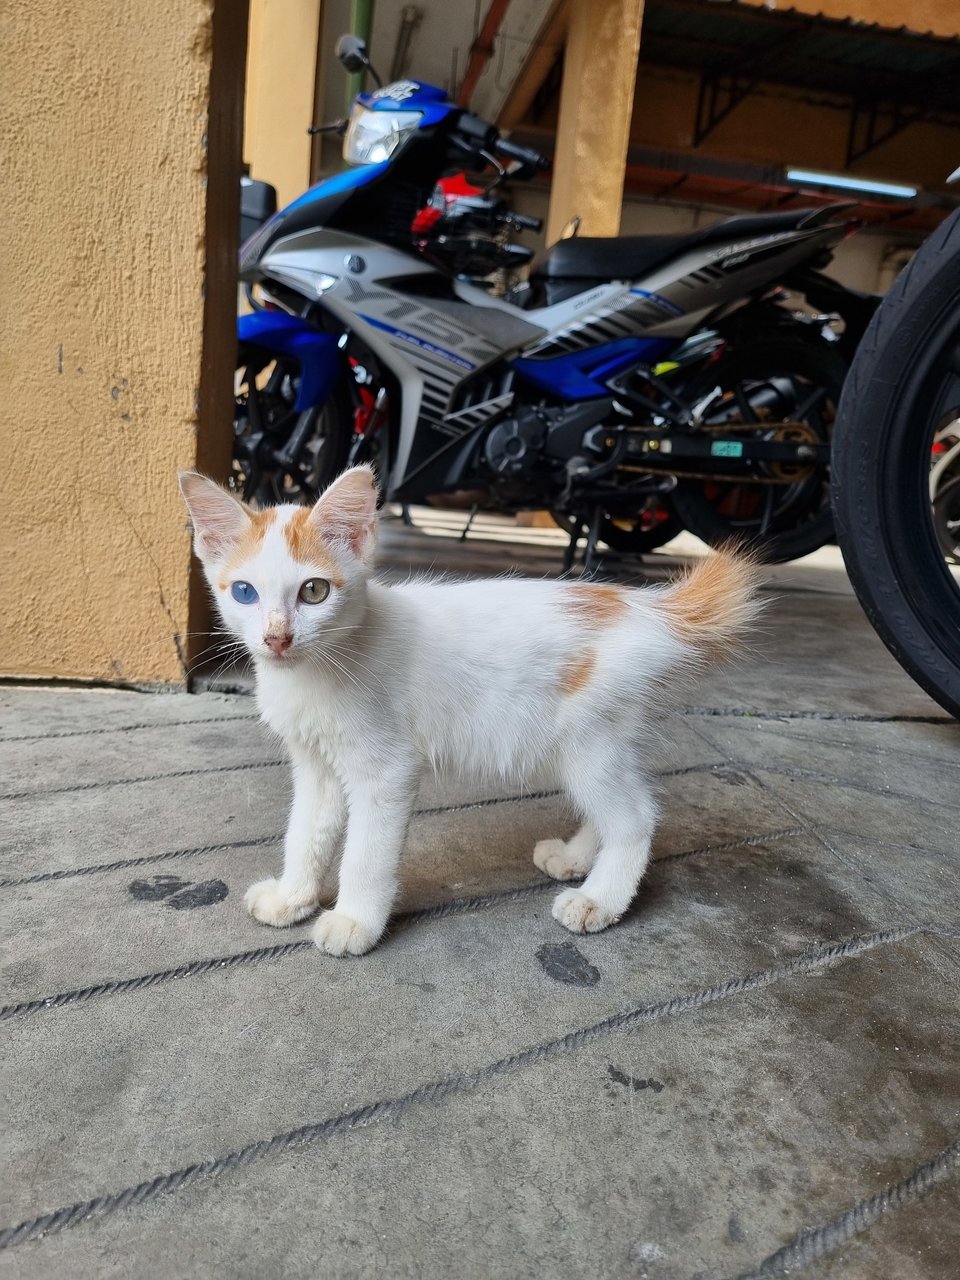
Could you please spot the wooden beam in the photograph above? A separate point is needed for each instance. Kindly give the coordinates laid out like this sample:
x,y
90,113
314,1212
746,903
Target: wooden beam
x,y
544,52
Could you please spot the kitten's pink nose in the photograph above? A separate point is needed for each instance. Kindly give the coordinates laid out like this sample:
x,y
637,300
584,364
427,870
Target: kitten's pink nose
x,y
279,644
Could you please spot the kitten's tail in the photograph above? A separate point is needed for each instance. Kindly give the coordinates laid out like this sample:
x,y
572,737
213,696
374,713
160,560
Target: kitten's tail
x,y
712,606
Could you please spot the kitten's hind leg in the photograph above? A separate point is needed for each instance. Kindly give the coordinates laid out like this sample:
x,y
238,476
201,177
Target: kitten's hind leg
x,y
567,859
313,834
620,805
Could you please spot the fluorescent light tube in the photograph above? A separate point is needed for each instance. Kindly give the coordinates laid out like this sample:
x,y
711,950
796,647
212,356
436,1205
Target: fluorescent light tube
x,y
845,183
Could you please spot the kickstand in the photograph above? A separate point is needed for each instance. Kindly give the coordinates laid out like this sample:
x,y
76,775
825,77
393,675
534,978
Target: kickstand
x,y
591,561
406,517
570,555
466,528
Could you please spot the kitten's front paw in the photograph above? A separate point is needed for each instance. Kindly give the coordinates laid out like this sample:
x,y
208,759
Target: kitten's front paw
x,y
554,858
267,902
580,914
339,935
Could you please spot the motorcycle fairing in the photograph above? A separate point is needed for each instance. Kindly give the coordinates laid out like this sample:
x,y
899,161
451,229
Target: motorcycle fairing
x,y
308,210
582,375
430,342
317,353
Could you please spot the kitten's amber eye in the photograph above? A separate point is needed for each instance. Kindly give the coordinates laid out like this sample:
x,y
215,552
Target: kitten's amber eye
x,y
314,591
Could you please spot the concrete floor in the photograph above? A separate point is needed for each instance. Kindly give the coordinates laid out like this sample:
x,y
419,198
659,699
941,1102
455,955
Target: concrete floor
x,y
756,1073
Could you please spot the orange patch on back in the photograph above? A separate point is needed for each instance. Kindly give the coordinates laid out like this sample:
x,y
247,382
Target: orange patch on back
x,y
307,545
576,672
598,606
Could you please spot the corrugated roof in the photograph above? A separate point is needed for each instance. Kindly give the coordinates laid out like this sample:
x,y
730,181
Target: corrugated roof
x,y
889,66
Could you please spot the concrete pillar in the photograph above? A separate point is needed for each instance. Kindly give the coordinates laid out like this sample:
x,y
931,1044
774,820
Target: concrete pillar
x,y
596,102
281,89
121,129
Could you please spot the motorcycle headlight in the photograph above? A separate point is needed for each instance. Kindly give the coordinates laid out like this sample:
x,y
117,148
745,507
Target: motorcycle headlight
x,y
373,136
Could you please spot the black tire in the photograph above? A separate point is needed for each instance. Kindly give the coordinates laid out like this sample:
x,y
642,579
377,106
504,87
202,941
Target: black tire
x,y
785,521
328,447
904,381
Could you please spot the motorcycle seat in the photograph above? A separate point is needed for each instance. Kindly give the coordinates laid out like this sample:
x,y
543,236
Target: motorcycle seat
x,y
630,257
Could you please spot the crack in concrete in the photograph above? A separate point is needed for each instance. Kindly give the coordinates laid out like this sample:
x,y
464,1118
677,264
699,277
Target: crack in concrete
x,y
816,1242
148,777
455,906
125,728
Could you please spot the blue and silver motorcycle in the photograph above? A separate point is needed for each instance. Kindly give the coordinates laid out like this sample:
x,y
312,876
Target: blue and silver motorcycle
x,y
620,373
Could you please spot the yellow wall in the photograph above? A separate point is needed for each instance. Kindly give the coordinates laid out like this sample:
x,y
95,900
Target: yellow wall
x,y
111,361
281,85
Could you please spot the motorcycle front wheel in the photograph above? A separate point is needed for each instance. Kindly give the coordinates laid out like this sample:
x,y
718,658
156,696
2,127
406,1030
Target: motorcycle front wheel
x,y
265,418
781,387
896,503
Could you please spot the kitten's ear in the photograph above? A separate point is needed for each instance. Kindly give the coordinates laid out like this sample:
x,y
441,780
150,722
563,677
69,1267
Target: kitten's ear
x,y
219,520
346,513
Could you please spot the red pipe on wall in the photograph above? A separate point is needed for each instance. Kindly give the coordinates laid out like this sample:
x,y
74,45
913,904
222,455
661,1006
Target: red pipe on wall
x,y
481,51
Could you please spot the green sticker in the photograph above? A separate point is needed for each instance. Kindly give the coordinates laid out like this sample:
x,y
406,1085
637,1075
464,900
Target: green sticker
x,y
726,449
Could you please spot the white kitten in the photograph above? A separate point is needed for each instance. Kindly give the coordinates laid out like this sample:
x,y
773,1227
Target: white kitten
x,y
369,686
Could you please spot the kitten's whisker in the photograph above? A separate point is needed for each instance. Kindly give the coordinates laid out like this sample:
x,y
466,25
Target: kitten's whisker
x,y
362,666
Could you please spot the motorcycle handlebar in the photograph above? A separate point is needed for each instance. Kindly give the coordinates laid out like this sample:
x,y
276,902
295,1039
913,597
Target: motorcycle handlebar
x,y
526,155
525,223
482,135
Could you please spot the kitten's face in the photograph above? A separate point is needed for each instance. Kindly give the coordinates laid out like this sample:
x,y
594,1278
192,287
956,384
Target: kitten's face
x,y
288,579
282,589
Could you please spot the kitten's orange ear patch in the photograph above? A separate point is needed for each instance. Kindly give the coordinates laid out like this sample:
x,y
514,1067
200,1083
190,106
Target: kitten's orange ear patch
x,y
346,513
597,606
247,546
307,545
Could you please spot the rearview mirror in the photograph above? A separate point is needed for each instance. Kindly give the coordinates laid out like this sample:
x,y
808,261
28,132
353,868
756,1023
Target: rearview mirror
x,y
352,53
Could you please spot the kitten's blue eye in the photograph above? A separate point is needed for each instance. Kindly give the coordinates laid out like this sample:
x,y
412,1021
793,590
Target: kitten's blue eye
x,y
243,593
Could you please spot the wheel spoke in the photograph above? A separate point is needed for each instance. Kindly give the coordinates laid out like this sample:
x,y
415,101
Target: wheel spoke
x,y
768,501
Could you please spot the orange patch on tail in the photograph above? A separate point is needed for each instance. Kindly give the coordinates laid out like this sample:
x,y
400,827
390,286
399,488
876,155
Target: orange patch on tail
x,y
307,545
576,672
711,607
598,606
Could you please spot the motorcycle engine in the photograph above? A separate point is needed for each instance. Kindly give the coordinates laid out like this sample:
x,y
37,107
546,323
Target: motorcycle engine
x,y
515,446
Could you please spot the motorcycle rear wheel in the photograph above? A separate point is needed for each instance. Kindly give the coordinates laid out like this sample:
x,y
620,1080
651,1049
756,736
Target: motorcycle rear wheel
x,y
634,536
781,521
904,386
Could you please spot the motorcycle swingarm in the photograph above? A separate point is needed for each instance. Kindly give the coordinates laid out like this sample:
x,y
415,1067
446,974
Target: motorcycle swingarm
x,y
276,333
724,456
